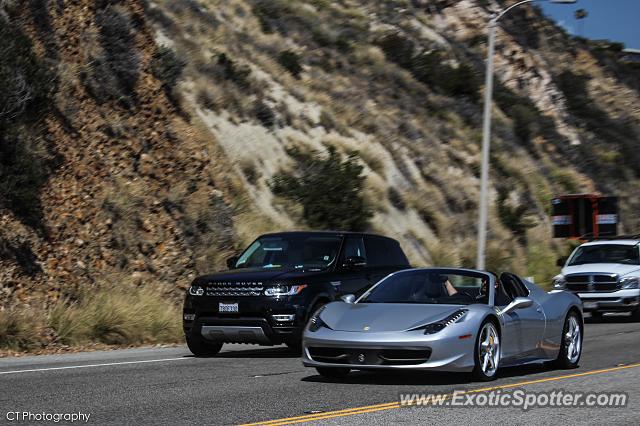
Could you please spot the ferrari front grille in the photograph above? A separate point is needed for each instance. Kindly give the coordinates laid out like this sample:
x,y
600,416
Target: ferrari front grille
x,y
355,356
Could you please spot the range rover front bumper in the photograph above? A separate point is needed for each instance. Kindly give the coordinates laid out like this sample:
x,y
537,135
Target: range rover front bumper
x,y
616,301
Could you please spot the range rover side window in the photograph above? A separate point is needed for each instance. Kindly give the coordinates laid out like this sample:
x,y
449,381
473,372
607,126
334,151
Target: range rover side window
x,y
354,247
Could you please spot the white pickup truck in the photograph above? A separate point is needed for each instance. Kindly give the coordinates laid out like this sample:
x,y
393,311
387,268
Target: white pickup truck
x,y
605,275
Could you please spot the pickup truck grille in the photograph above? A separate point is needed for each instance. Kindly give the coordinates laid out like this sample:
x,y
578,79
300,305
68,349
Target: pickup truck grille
x,y
231,288
588,283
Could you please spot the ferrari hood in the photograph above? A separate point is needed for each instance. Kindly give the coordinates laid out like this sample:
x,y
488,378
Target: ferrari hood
x,y
380,317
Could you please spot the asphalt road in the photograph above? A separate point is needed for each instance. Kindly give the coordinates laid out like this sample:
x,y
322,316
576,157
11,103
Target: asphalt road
x,y
252,384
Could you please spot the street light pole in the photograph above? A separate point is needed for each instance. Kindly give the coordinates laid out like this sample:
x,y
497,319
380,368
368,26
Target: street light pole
x,y
486,140
486,130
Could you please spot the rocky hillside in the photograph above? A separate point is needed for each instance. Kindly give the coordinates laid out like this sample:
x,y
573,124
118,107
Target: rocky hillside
x,y
144,141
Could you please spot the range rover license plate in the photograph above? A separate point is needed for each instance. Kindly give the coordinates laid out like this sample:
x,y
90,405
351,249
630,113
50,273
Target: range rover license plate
x,y
228,308
590,305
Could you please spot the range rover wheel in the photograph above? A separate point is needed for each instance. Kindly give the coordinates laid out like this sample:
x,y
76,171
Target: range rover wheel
x,y
487,352
571,343
333,373
199,347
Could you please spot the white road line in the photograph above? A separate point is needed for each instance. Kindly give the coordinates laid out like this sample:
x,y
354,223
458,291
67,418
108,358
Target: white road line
x,y
69,367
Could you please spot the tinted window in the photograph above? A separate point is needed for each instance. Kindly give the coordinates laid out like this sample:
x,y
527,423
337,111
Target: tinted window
x,y
354,247
606,253
384,252
299,251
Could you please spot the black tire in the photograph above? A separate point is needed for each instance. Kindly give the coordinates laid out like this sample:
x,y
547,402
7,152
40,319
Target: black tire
x,y
201,348
333,373
565,361
596,315
478,372
635,314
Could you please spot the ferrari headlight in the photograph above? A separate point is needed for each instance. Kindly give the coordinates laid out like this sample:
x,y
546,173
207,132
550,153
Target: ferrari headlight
x,y
439,325
196,290
316,323
630,282
284,290
559,283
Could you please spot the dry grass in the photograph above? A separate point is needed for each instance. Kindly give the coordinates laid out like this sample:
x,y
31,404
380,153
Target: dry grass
x,y
114,313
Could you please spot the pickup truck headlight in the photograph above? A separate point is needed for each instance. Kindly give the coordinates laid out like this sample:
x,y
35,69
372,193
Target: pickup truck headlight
x,y
630,282
196,290
559,283
284,290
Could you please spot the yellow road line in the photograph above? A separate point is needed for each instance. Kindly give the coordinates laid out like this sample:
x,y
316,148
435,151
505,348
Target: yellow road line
x,y
395,405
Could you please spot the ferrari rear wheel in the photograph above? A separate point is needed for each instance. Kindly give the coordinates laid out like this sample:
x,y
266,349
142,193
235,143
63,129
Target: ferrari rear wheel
x,y
571,344
487,352
333,373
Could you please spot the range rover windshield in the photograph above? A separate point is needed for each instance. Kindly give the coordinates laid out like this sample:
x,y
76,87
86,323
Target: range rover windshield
x,y
432,286
606,253
295,251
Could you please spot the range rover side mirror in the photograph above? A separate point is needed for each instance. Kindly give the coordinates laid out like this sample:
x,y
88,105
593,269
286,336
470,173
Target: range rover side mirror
x,y
231,262
517,303
561,261
354,262
348,298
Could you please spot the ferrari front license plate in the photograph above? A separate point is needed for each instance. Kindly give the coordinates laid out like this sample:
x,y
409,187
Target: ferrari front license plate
x,y
228,308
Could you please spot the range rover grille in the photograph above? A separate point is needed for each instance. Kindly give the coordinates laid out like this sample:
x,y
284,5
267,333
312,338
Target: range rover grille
x,y
586,283
232,288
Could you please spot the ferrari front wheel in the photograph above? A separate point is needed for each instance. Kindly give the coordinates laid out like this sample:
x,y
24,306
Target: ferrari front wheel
x,y
571,342
487,352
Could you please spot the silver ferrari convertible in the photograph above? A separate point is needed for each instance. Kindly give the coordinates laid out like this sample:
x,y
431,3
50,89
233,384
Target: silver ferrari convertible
x,y
445,320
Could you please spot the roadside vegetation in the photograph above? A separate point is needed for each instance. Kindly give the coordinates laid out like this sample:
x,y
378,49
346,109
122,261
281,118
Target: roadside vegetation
x,y
112,313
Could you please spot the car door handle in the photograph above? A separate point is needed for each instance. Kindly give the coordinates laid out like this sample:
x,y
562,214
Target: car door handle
x,y
539,309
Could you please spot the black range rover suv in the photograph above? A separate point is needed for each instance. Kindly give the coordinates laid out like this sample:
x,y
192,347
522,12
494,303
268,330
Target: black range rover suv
x,y
273,287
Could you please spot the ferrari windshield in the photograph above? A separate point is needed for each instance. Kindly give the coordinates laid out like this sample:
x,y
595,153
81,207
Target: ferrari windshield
x,y
606,253
430,286
296,251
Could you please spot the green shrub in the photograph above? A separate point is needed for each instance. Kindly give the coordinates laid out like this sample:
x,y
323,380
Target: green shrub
x,y
431,67
231,71
113,72
513,217
329,190
264,114
620,134
291,62
27,89
167,67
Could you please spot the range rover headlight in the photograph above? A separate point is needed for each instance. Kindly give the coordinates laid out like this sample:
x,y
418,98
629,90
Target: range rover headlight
x,y
284,290
196,290
437,326
559,283
630,283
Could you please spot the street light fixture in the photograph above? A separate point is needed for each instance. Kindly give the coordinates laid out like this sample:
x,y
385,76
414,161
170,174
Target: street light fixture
x,y
486,127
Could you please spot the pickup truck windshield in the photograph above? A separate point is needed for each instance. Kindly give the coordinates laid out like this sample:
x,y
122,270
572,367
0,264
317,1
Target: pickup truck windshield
x,y
295,251
606,253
